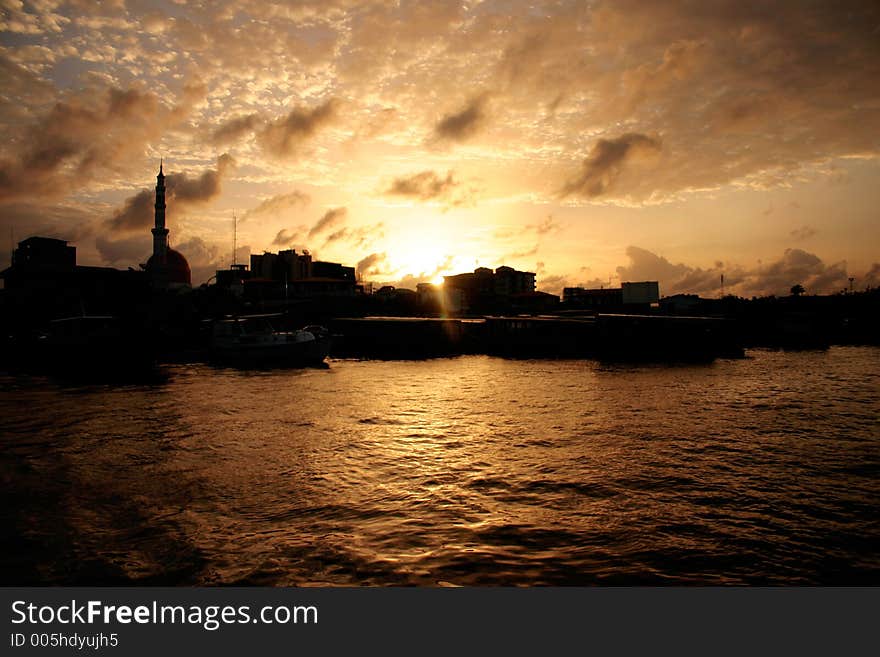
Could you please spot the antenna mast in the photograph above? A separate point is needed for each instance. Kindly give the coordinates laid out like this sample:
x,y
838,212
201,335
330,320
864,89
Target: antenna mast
x,y
234,237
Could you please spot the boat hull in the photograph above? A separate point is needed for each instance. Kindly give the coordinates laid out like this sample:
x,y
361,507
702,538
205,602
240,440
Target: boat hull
x,y
293,354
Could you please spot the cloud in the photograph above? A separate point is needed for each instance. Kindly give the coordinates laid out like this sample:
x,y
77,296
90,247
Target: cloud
x,y
282,138
75,139
424,186
465,123
520,254
235,129
181,192
201,189
605,163
330,218
130,251
206,258
137,212
798,267
870,278
283,238
336,236
359,237
553,284
776,278
548,226
369,266
430,186
277,205
72,222
803,233
81,136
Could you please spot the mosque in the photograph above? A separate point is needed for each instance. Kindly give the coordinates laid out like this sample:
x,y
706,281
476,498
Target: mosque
x,y
167,268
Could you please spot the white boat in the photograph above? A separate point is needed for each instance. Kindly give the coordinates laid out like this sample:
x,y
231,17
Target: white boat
x,y
255,341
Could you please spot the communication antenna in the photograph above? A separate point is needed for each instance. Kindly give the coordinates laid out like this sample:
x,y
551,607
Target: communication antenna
x,y
234,237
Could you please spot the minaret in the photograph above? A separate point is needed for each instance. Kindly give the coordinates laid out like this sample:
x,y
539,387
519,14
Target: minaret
x,y
160,233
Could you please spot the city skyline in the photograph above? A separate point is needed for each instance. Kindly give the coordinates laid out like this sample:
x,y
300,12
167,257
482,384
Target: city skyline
x,y
589,143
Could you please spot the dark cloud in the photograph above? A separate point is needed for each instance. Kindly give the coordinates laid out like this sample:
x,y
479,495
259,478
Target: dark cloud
x,y
602,168
870,279
24,219
284,238
553,284
205,258
336,236
76,138
465,123
547,226
798,267
357,237
201,189
794,267
181,192
424,186
675,278
283,137
277,205
136,213
330,218
235,129
369,266
803,233
520,254
81,136
129,251
431,186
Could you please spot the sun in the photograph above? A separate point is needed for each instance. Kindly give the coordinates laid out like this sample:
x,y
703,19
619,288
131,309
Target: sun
x,y
422,255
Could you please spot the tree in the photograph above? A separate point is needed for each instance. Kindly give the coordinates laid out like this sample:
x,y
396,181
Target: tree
x,y
797,290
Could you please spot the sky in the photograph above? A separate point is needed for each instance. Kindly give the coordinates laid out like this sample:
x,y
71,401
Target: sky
x,y
589,142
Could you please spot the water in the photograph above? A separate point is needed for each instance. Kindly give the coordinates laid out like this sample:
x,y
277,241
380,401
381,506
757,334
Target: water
x,y
463,471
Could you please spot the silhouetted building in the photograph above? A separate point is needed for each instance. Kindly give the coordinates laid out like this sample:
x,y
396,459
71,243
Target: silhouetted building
x,y
589,298
282,266
533,302
44,283
44,253
509,281
485,291
234,277
167,267
279,277
640,293
681,304
333,270
629,296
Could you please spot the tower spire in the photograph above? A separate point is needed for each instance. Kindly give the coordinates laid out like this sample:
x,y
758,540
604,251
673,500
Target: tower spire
x,y
160,233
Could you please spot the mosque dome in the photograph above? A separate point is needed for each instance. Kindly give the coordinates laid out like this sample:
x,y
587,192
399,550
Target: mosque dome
x,y
174,269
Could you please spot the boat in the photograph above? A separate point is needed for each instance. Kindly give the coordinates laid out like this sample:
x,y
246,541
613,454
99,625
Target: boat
x,y
254,341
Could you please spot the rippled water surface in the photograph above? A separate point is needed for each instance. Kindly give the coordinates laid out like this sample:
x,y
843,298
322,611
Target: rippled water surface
x,y
471,471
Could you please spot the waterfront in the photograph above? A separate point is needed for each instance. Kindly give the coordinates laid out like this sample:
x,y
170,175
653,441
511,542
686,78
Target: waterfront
x,y
464,471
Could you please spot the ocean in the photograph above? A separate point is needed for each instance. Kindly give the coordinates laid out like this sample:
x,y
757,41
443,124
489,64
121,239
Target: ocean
x,y
468,471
